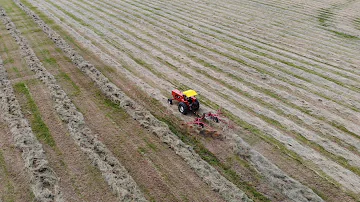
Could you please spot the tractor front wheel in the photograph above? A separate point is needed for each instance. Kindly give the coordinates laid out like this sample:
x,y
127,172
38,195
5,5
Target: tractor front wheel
x,y
170,101
183,108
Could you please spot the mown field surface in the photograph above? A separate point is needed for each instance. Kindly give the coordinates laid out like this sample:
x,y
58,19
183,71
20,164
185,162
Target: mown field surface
x,y
84,113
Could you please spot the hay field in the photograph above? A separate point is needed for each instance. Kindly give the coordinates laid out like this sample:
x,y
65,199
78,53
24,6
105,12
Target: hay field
x,y
84,88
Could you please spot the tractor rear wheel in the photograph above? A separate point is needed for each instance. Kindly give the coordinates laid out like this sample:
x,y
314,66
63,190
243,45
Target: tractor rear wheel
x,y
196,105
183,108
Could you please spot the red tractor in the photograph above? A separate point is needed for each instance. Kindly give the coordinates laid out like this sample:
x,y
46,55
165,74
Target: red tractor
x,y
187,100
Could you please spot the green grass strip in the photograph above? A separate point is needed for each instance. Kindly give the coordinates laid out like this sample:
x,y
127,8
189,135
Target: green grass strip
x,y
8,61
37,124
343,35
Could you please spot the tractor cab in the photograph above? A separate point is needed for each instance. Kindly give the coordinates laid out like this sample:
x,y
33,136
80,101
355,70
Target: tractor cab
x,y
190,93
187,100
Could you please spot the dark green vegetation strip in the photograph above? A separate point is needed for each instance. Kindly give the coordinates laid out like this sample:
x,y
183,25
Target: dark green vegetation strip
x,y
342,34
8,61
37,124
2,163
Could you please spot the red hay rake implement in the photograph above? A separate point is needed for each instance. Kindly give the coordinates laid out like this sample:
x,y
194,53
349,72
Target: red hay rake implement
x,y
203,119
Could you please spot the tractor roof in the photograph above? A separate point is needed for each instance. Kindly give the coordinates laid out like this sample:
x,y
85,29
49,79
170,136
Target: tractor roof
x,y
190,93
